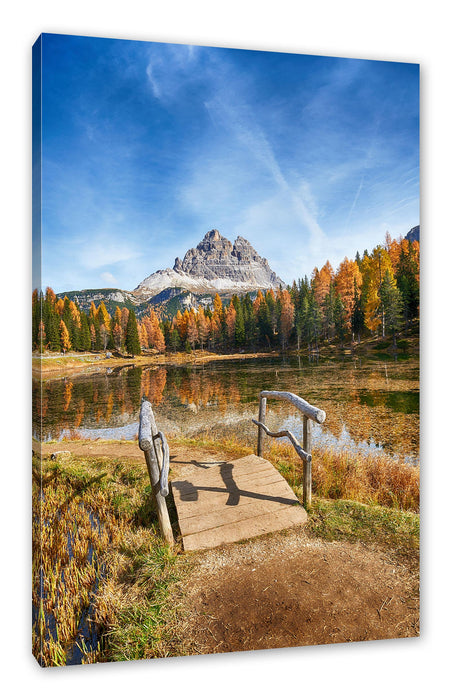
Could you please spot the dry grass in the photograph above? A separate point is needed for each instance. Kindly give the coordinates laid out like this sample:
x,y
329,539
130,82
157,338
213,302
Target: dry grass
x,y
372,479
53,364
100,569
378,479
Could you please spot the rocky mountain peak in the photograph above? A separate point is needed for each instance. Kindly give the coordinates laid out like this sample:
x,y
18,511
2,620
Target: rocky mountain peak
x,y
414,234
216,264
212,235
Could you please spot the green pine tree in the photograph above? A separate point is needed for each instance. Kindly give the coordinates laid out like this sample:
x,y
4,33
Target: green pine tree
x,y
85,336
407,282
264,325
249,320
240,333
37,301
340,318
53,331
131,335
392,300
358,317
174,340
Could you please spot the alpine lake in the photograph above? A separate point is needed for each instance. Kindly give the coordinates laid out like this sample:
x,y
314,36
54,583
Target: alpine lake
x,y
371,401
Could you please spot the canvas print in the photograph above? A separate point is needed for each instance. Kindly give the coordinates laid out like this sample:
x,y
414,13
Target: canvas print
x,y
225,350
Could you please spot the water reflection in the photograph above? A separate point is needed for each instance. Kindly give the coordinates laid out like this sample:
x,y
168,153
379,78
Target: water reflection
x,y
369,404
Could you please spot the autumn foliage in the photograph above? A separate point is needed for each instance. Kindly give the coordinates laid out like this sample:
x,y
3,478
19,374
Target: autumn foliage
x,y
376,294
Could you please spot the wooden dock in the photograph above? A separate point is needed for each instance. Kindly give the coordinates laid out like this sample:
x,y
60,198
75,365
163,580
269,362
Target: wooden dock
x,y
231,501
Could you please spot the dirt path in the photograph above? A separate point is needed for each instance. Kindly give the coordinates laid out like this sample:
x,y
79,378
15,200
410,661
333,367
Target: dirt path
x,y
285,589
289,589
93,448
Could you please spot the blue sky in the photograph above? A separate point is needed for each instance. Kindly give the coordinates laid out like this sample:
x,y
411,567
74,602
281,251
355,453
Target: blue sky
x,y
147,146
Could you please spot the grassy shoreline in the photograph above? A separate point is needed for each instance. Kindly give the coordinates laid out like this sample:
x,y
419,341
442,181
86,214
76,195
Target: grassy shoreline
x,y
52,364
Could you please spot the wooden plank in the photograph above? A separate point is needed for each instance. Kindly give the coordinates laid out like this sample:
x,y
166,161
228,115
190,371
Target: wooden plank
x,y
208,500
251,527
221,516
227,475
223,480
232,501
245,465
221,477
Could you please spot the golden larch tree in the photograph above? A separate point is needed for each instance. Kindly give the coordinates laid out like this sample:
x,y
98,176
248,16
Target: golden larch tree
x,y
64,336
347,280
203,327
321,281
286,315
230,317
192,333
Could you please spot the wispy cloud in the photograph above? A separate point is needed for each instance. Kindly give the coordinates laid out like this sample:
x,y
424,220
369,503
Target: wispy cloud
x,y
104,250
356,198
169,68
241,125
109,279
154,84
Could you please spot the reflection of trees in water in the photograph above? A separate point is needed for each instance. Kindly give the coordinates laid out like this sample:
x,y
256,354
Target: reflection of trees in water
x,y
133,379
67,395
113,399
80,411
97,401
396,432
201,388
153,383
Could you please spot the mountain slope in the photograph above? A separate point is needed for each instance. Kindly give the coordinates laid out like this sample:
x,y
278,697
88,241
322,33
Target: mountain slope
x,y
414,234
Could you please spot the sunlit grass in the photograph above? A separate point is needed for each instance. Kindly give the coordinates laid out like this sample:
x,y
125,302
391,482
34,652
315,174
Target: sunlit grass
x,y
376,479
357,522
100,570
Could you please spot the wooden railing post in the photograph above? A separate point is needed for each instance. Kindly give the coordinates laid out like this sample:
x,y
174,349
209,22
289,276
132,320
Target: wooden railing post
x,y
147,433
261,419
307,471
310,413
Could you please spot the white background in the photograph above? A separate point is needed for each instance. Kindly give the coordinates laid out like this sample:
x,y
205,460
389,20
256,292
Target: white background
x,y
403,30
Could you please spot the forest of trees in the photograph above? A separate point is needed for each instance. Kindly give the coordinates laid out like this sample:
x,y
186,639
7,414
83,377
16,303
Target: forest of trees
x,y
376,294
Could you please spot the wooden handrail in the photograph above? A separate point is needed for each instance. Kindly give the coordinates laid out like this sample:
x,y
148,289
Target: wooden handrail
x,y
157,460
306,408
305,452
286,433
164,471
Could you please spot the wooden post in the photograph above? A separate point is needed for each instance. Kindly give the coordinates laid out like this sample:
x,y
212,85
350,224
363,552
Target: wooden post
x,y
261,419
162,510
307,472
147,431
310,413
